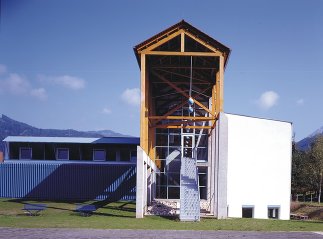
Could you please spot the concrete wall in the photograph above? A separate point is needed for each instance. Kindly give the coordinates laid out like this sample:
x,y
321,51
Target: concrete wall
x,y
259,165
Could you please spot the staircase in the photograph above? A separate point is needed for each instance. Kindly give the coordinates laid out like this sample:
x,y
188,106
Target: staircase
x,y
189,192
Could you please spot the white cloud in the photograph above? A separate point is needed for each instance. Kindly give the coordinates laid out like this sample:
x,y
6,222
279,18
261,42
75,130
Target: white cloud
x,y
106,111
15,84
3,69
268,99
70,82
131,96
300,102
39,93
18,85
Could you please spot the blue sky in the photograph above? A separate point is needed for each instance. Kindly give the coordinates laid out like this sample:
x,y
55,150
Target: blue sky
x,y
70,63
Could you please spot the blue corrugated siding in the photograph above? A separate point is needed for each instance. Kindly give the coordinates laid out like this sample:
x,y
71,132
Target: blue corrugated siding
x,y
46,181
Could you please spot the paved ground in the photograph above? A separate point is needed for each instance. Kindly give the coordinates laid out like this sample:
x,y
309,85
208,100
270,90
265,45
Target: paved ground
x,y
53,233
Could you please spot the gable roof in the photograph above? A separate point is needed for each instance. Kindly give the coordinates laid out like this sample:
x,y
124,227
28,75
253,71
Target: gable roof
x,y
188,28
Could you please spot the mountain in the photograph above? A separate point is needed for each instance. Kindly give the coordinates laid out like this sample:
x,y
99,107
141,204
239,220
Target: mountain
x,y
305,143
10,127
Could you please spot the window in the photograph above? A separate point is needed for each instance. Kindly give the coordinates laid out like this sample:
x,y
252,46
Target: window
x,y
25,153
98,155
62,154
112,155
273,212
247,211
133,155
124,155
202,172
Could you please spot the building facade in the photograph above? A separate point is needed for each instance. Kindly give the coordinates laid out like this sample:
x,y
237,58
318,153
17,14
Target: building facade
x,y
67,168
193,153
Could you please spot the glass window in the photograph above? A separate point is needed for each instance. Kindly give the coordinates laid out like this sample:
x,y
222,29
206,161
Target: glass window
x,y
124,155
202,172
133,155
174,192
62,154
247,211
112,155
273,212
98,155
25,153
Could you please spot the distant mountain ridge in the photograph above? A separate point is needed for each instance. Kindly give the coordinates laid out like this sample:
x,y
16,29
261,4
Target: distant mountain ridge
x,y
11,127
305,144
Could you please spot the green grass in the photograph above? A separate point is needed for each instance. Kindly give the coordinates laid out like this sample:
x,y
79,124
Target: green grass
x,y
121,215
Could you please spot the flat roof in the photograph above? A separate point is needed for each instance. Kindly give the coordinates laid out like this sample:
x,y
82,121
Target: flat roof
x,y
79,140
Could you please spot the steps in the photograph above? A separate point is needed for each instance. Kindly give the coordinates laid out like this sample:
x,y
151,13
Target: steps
x,y
189,192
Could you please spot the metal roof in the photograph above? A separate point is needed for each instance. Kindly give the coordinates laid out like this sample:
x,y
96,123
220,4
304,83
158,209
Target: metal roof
x,y
79,140
189,28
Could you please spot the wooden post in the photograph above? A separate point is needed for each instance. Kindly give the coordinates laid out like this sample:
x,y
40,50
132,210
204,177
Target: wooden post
x,y
219,86
143,105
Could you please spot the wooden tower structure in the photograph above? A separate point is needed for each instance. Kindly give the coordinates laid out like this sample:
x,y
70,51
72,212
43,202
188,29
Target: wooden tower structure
x,y
179,63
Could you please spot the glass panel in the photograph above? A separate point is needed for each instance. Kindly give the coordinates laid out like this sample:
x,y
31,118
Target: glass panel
x,y
173,193
25,153
247,212
174,153
202,179
161,192
124,155
174,140
203,193
161,139
161,152
174,165
161,179
112,155
133,155
173,179
62,154
98,155
202,154
161,164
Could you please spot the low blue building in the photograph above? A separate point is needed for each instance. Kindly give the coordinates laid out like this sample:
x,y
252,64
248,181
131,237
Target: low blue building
x,y
69,168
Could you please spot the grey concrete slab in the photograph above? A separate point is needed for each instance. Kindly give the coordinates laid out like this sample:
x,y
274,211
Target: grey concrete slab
x,y
57,233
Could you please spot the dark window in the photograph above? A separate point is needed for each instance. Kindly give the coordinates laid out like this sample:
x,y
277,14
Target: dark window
x,y
202,172
98,155
25,153
133,155
273,212
62,154
124,155
112,155
173,192
247,212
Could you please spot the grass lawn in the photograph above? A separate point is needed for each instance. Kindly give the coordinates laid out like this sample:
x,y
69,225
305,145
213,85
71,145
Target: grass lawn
x,y
121,215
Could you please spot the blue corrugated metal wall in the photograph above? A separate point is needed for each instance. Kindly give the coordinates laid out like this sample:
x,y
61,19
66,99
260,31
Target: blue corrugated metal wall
x,y
68,181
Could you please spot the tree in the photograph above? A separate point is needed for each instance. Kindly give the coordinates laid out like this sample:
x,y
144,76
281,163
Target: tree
x,y
317,160
302,172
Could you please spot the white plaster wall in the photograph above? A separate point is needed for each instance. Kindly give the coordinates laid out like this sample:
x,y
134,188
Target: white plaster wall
x,y
259,165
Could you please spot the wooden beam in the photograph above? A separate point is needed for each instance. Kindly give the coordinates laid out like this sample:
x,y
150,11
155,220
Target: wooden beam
x,y
186,76
203,43
183,67
219,86
162,41
183,127
175,117
179,90
143,106
182,42
177,53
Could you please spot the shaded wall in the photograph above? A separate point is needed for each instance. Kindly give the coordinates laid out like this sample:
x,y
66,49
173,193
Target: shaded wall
x,y
68,181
